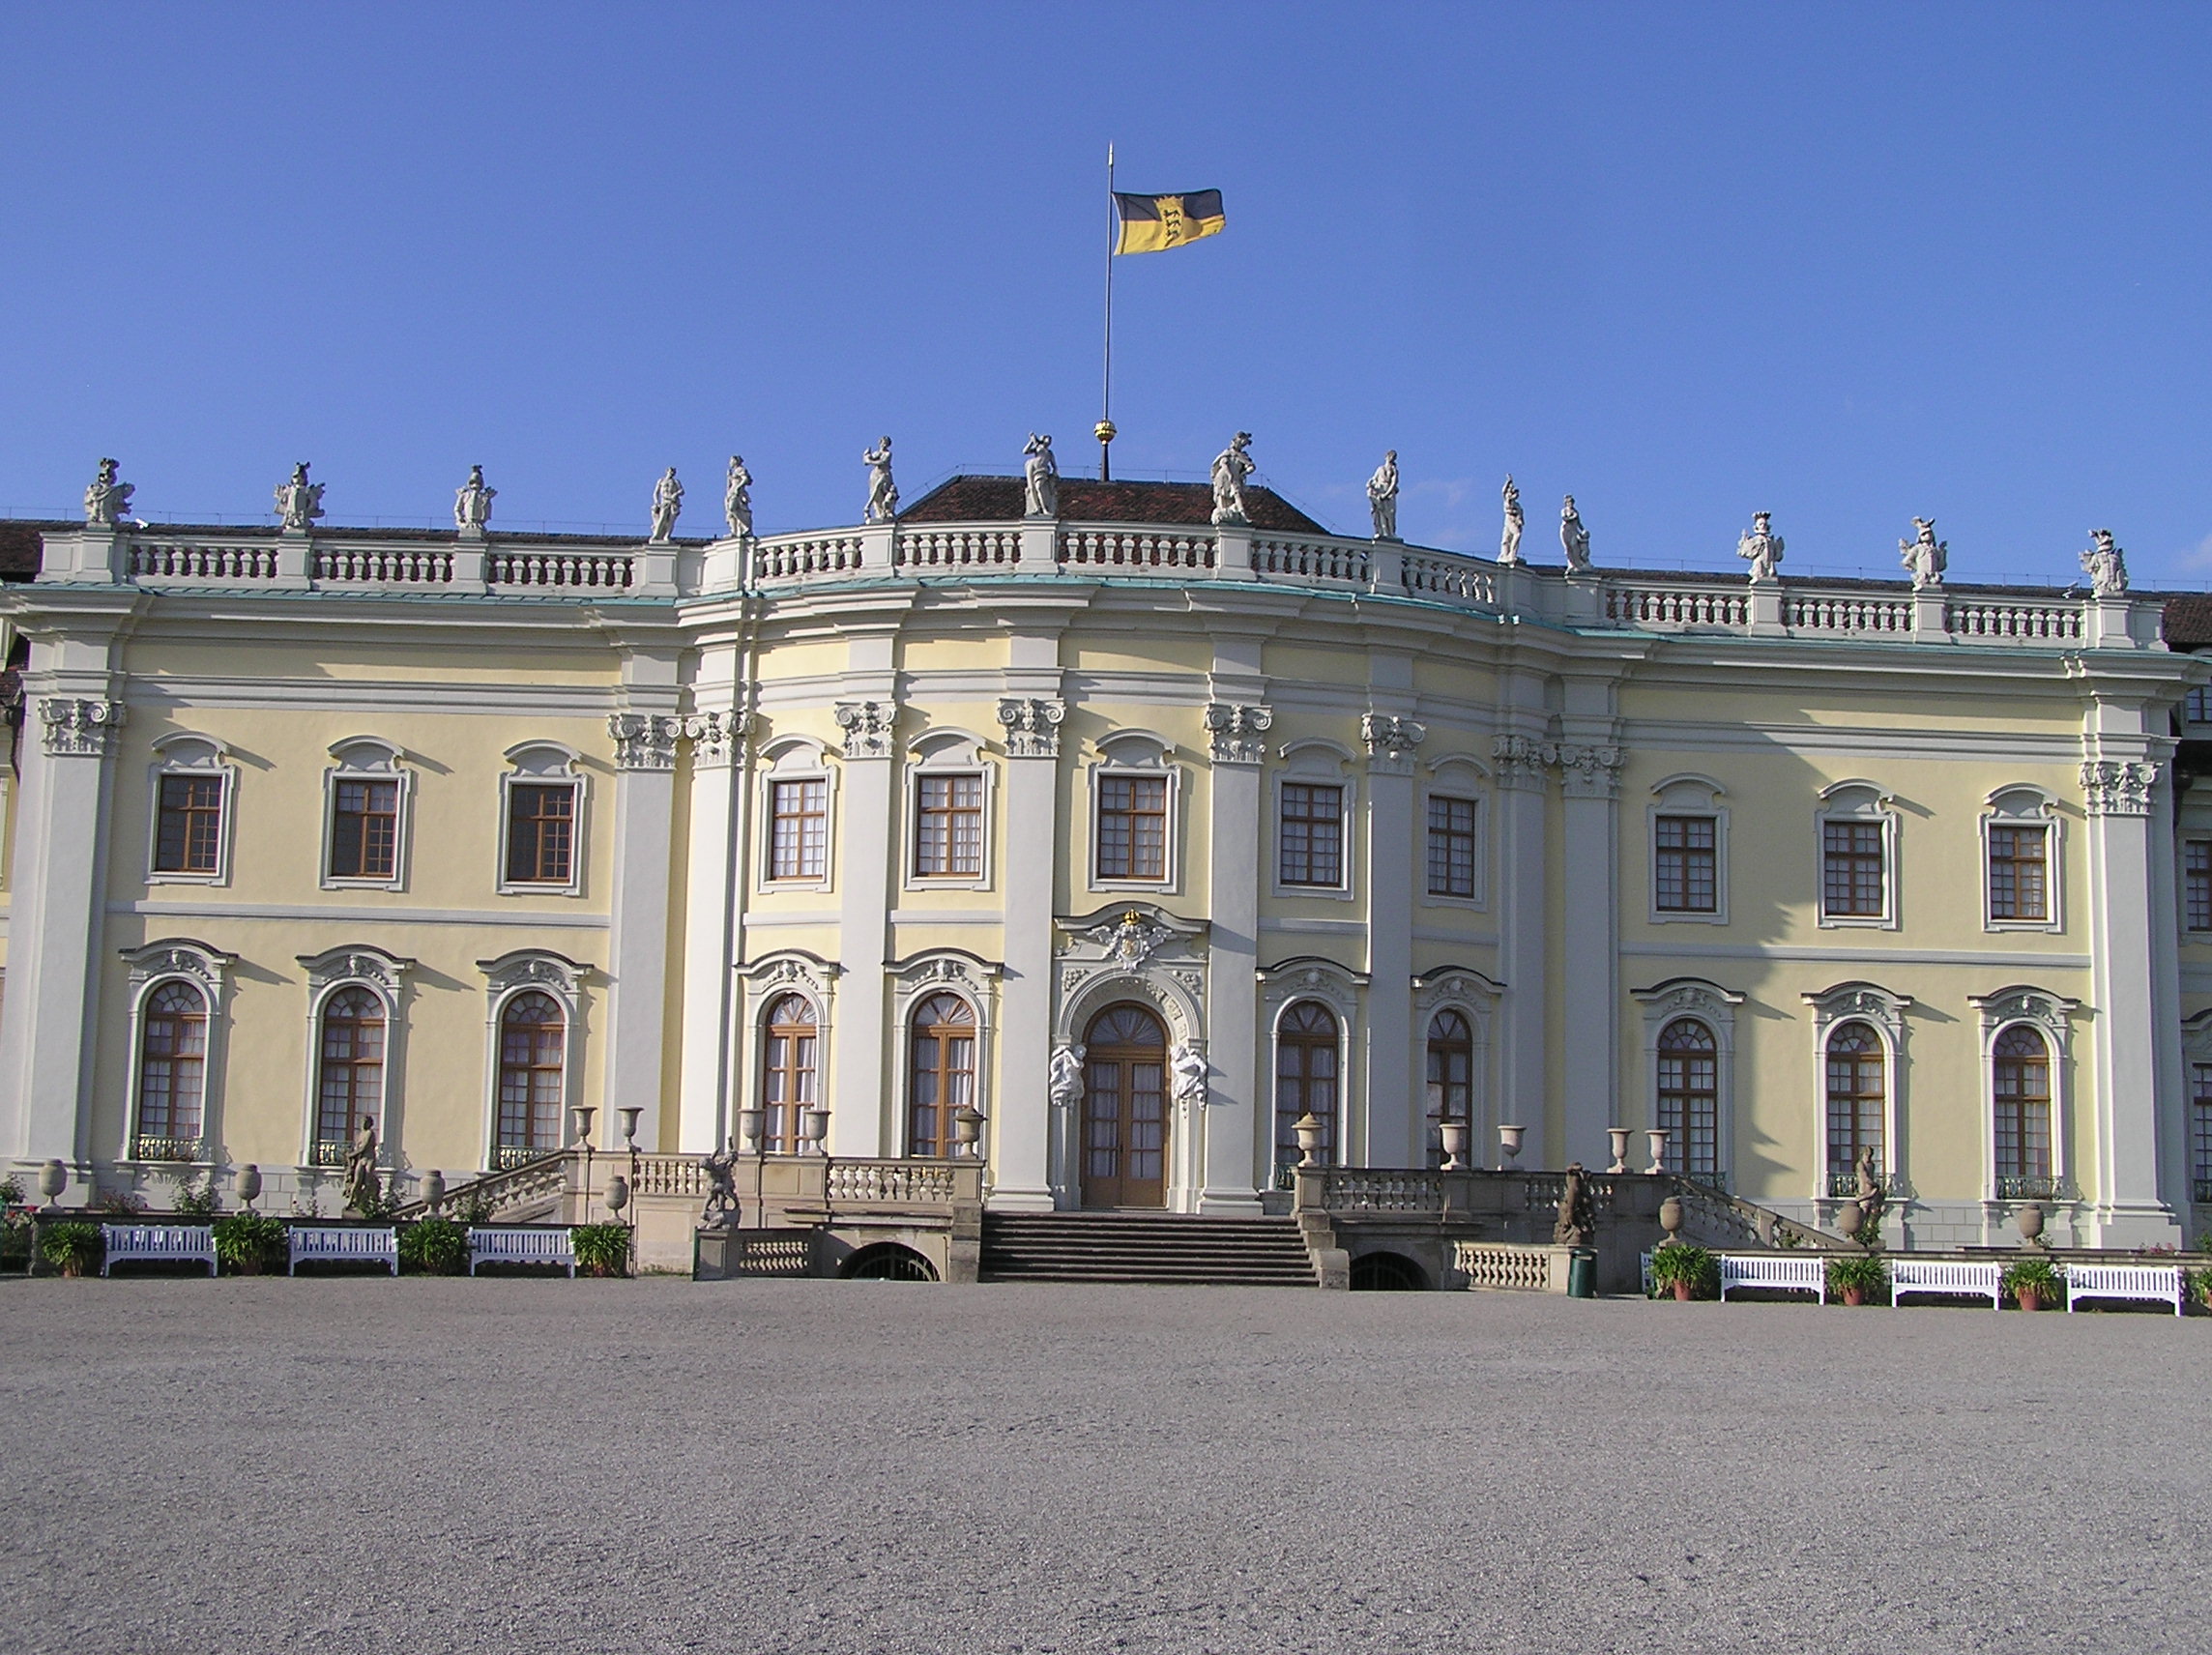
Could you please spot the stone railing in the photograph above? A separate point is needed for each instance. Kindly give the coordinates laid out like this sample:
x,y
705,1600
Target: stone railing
x,y
683,1176
1848,613
1381,1189
1103,547
1311,558
1676,605
539,569
1516,1267
2011,620
201,564
374,565
928,548
929,1184
1719,1218
831,556
547,1172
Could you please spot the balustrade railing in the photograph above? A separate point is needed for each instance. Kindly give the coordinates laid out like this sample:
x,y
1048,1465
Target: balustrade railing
x,y
2038,1189
1361,1189
1459,579
1676,606
806,557
957,546
146,1147
429,566
567,571
1309,558
1099,546
923,1182
188,560
2026,622
1847,613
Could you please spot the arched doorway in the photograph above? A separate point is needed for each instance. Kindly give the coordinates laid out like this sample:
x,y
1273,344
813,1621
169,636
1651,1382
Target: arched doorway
x,y
1125,1110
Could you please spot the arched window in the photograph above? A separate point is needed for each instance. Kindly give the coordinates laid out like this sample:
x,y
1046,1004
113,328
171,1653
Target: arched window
x,y
172,1073
1305,1080
787,1072
1689,1095
941,1077
533,1053
2021,1081
1856,1094
350,1076
1451,1075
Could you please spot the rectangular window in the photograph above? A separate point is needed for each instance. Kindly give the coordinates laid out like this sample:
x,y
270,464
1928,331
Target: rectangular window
x,y
1686,876
365,830
1132,827
190,837
2197,877
1312,834
540,833
2019,874
799,841
2201,1131
2198,708
948,826
1851,874
1452,846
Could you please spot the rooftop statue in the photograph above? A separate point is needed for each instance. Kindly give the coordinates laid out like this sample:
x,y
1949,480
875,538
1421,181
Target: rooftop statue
x,y
1509,542
1925,555
1574,538
106,501
2105,564
1382,497
472,503
1040,477
667,504
883,492
738,499
1231,467
300,502
1761,546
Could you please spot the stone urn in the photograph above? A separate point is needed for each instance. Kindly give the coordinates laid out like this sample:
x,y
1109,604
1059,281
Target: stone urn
x,y
750,1124
1671,1218
248,1184
1308,1128
1509,1142
1850,1220
1455,1136
815,1126
2029,1220
433,1189
1619,1135
1656,1135
54,1179
966,1129
618,1194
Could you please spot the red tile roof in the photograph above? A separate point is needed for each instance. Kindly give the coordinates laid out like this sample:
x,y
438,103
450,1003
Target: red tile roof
x,y
996,499
19,546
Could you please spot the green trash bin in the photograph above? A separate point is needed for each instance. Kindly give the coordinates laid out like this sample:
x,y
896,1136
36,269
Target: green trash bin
x,y
1582,1273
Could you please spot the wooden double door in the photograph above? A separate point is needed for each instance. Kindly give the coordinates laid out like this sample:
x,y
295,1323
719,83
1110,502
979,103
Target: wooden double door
x,y
1125,1110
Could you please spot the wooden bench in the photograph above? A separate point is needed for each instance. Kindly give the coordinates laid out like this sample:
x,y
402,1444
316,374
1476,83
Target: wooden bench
x,y
127,1243
2161,1282
1945,1276
344,1244
491,1245
1779,1271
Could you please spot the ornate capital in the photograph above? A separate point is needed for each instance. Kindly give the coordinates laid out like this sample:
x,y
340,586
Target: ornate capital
x,y
713,735
1521,762
1238,731
1588,771
80,729
1032,726
644,740
1390,743
2112,787
867,726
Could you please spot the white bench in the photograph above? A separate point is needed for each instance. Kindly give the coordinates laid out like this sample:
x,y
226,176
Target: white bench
x,y
489,1245
2161,1282
1945,1276
127,1242
344,1244
1774,1270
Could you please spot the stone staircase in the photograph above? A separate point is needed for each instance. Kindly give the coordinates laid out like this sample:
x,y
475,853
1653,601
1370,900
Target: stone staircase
x,y
1149,1248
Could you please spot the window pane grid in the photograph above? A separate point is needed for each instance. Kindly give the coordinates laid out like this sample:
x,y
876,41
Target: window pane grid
x,y
798,835
1305,1081
1855,1096
540,833
1851,874
172,1064
351,1070
948,826
1452,846
1312,835
365,830
189,836
2201,1129
2019,873
788,1075
2022,1084
1689,1094
2196,864
532,1050
1687,872
1133,827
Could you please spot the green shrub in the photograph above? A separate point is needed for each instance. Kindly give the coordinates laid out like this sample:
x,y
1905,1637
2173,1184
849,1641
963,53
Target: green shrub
x,y
196,1199
247,1243
1675,1262
73,1248
1862,1270
434,1247
10,1191
2038,1276
601,1249
16,1238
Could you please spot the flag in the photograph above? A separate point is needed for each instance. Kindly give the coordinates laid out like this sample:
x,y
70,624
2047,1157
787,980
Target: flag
x,y
1153,224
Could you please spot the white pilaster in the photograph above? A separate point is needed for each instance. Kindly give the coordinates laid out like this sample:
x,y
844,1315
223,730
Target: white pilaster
x,y
1238,1125
711,887
1022,1142
1394,1105
1590,775
861,1119
1522,922
638,915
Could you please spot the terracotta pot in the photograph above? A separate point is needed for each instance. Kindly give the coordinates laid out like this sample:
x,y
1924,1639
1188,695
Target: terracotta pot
x,y
2029,1298
71,1268
1685,1292
1854,1295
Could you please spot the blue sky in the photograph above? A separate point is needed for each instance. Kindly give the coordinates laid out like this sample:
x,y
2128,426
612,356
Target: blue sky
x,y
1846,264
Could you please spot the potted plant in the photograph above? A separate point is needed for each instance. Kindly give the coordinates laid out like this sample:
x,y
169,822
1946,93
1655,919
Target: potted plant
x,y
73,1248
1856,1275
2033,1281
434,1247
249,1243
601,1249
1682,1267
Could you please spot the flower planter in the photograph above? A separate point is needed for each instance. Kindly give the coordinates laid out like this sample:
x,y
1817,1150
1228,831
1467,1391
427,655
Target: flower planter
x,y
2029,1298
1685,1292
1854,1296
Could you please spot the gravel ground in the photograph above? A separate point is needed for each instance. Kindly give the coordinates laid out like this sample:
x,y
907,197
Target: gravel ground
x,y
542,1465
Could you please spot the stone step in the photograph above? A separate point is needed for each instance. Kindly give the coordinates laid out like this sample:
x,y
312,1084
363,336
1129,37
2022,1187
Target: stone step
x,y
1145,1248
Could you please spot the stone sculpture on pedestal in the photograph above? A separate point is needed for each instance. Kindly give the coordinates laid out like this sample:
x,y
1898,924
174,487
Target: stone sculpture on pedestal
x,y
2105,564
1577,1222
106,501
364,1191
1923,554
1040,478
667,504
1231,467
1574,538
472,503
1761,547
300,502
1509,542
1382,497
721,1187
883,492
738,499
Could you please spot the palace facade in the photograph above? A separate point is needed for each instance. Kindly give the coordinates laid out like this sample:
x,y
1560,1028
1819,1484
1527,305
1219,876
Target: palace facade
x,y
1103,848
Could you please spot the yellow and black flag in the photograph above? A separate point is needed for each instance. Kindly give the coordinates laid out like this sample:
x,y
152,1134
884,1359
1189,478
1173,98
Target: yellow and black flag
x,y
1153,224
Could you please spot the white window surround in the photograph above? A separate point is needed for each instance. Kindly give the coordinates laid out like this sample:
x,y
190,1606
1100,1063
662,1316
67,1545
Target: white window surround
x,y
1319,762
767,980
2025,805
1698,1002
180,959
941,971
1283,985
182,754
368,758
1474,997
947,752
1462,776
794,758
1687,795
2050,1016
1861,802
358,965
538,763
524,970
1885,1013
1139,754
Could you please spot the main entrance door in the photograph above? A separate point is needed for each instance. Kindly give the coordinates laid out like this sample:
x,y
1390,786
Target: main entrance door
x,y
1124,1109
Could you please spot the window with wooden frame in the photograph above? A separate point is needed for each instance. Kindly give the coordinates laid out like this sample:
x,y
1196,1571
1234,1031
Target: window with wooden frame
x,y
2196,884
941,1073
2200,1132
1857,1098
799,830
2020,871
1454,847
789,1065
188,833
1132,827
349,1073
1689,1094
542,832
172,1073
1307,1071
2019,1070
1685,864
949,826
1310,834
533,1076
1853,870
1451,1075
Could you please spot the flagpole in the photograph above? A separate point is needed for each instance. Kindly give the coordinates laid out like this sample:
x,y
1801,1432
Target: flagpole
x,y
1104,431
